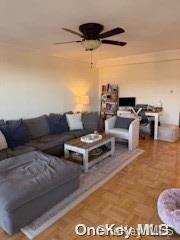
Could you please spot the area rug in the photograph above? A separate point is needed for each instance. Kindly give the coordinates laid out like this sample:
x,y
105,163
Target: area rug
x,y
89,182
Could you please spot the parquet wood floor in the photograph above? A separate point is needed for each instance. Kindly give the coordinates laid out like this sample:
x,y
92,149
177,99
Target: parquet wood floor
x,y
128,198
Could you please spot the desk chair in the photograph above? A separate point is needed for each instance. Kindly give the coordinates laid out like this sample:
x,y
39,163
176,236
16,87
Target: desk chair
x,y
144,123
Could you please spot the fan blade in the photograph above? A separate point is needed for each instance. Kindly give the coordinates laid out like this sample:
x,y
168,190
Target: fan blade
x,y
66,42
114,42
112,32
73,32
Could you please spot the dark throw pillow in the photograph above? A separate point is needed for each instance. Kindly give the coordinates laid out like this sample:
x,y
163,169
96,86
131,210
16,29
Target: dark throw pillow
x,y
57,123
16,134
90,120
122,122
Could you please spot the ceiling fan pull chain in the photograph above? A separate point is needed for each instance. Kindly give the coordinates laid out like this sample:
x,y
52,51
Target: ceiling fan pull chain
x,y
91,60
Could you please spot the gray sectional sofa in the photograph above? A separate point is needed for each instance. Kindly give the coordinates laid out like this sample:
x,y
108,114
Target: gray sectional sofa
x,y
41,137
32,177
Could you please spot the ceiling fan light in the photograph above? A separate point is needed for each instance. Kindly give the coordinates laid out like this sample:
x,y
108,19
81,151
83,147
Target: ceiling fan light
x,y
90,45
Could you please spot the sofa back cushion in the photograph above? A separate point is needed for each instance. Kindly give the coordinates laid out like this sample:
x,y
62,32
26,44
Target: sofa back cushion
x,y
74,121
37,127
16,133
57,123
122,122
2,122
3,143
90,120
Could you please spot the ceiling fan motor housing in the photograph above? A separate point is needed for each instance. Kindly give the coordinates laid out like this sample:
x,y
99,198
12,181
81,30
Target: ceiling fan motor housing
x,y
91,31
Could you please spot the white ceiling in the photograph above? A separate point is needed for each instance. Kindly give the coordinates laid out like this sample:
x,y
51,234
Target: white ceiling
x,y
151,25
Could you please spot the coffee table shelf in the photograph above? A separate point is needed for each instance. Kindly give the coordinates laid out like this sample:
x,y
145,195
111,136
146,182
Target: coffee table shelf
x,y
84,149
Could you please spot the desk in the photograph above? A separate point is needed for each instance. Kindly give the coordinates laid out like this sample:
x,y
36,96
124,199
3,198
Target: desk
x,y
156,116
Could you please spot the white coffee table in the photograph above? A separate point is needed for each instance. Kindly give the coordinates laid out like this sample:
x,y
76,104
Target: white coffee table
x,y
77,146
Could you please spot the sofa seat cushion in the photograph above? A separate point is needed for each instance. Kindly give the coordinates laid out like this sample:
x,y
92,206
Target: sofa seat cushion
x,y
3,154
49,141
79,133
7,153
55,138
119,133
19,150
32,183
32,174
122,122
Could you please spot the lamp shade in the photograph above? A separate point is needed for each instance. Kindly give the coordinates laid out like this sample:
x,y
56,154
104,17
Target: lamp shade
x,y
90,45
84,100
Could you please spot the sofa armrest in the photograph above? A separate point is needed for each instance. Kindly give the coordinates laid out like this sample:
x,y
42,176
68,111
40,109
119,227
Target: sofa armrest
x,y
109,123
134,124
134,134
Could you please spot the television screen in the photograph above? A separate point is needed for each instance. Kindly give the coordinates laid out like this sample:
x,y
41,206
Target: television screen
x,y
127,102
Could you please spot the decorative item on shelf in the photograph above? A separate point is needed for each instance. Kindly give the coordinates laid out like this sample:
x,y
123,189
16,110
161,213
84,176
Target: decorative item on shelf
x,y
96,152
154,109
109,100
76,156
90,138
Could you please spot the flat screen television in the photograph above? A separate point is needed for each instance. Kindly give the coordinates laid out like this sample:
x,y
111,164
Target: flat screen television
x,y
127,102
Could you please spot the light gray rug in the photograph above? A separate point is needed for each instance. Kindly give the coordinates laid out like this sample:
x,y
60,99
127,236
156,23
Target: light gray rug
x,y
89,182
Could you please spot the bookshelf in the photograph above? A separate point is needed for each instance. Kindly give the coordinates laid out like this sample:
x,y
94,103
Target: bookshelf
x,y
109,100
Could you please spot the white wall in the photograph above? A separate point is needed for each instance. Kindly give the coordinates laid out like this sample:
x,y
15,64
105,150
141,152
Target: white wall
x,y
33,84
150,78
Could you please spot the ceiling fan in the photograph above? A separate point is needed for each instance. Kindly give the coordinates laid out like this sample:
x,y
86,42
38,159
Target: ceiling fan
x,y
92,36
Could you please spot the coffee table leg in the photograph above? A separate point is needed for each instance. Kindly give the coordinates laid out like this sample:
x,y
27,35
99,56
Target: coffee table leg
x,y
66,153
85,161
112,146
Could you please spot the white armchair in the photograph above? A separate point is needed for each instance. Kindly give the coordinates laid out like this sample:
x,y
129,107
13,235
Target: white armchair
x,y
131,134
